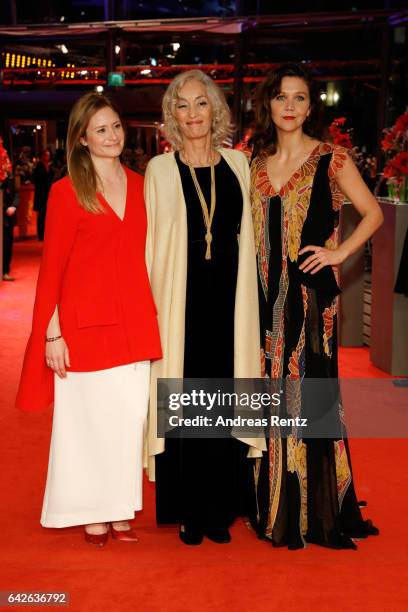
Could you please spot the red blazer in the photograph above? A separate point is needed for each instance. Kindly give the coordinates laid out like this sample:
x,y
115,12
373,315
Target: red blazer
x,y
93,267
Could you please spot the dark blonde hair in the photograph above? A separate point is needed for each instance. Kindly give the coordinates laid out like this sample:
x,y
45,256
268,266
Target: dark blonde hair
x,y
81,169
221,126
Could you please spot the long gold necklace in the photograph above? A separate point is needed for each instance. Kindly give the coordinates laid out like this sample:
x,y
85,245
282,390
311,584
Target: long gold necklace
x,y
208,215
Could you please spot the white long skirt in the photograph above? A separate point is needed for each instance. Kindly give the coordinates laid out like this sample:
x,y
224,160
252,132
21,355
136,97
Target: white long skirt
x,y
96,454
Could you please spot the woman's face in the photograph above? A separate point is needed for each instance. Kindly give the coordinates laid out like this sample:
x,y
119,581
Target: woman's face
x,y
104,134
193,111
291,106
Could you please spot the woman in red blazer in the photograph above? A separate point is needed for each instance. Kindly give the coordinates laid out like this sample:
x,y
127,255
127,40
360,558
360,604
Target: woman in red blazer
x,y
94,332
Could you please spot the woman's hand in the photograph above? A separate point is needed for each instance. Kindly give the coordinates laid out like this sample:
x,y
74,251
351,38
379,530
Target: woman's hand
x,y
353,187
57,356
320,258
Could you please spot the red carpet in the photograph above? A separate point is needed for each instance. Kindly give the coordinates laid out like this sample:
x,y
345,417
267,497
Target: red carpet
x,y
160,573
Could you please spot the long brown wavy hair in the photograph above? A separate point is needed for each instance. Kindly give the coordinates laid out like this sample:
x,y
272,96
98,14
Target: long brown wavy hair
x,y
264,138
81,169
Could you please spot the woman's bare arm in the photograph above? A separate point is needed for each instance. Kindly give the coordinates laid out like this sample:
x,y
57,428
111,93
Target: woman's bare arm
x,y
352,185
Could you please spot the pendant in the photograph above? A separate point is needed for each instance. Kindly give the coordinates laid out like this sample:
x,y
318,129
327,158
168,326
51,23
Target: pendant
x,y
208,239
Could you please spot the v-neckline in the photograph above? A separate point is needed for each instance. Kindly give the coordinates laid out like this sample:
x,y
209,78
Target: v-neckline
x,y
105,201
279,191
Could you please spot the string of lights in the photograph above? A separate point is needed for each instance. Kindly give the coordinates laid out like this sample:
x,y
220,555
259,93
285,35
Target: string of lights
x,y
38,71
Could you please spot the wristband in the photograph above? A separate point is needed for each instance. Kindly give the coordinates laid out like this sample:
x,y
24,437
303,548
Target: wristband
x,y
53,339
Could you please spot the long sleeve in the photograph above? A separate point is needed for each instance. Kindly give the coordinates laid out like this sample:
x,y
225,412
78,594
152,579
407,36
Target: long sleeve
x,y
60,231
36,384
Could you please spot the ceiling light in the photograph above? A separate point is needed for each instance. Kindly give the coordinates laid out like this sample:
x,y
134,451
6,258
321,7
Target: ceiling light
x,y
117,49
99,88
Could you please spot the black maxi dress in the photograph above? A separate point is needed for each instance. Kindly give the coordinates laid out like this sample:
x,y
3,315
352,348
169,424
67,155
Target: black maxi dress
x,y
197,479
304,489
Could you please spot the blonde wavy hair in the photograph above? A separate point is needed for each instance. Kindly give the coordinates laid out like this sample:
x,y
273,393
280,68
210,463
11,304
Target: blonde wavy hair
x,y
221,127
81,169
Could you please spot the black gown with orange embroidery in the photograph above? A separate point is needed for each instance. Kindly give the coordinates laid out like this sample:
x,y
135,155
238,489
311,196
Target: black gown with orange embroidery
x,y
303,488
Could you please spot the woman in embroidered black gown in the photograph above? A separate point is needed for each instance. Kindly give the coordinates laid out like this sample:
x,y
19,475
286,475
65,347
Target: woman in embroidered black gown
x,y
304,488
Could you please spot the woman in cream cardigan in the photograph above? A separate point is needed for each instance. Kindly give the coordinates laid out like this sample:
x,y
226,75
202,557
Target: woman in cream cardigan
x,y
201,255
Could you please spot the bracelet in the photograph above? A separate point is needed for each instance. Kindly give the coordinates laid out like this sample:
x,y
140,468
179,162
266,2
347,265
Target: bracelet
x,y
53,339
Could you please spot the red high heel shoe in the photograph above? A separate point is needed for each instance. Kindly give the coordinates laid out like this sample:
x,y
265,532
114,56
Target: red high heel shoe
x,y
128,535
98,539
